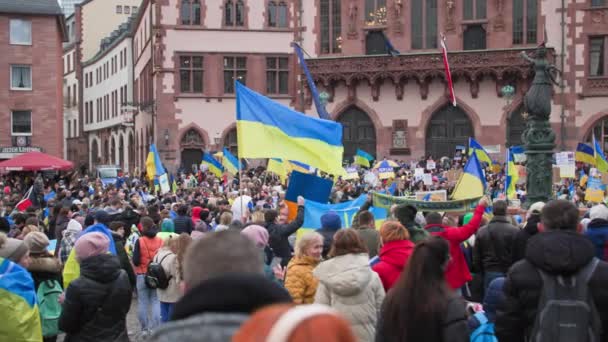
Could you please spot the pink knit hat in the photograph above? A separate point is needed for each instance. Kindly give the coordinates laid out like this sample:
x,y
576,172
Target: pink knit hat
x,y
257,234
91,244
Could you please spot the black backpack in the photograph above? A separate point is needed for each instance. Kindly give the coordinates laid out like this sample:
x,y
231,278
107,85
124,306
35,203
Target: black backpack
x,y
566,310
156,278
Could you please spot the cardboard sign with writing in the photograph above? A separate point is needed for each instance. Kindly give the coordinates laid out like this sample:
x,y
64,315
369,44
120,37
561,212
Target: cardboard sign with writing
x,y
432,196
430,165
556,178
567,171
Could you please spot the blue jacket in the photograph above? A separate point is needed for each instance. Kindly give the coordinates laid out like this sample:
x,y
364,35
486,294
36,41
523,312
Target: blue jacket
x,y
597,232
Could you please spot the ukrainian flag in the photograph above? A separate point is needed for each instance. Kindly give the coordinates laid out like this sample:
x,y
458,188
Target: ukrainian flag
x,y
20,315
482,155
266,129
585,154
363,158
293,165
512,176
154,166
600,158
277,167
472,183
214,166
230,162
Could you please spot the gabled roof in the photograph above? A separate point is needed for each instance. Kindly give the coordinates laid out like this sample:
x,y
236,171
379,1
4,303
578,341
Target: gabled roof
x,y
42,7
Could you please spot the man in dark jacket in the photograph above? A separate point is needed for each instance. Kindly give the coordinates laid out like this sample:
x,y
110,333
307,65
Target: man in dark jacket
x,y
406,214
368,233
183,223
97,302
279,233
597,230
118,234
558,250
224,283
330,224
493,243
518,250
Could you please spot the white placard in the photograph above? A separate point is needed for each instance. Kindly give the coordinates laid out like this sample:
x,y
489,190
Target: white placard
x,y
163,180
427,179
430,165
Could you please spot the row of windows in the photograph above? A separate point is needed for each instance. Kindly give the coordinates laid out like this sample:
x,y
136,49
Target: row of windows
x,y
191,74
116,63
72,128
106,107
234,13
126,9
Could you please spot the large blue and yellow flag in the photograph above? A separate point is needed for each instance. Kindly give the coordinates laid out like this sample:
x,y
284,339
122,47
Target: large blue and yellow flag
x,y
267,129
472,183
585,154
277,167
230,162
363,158
600,159
213,164
512,176
20,315
482,154
154,166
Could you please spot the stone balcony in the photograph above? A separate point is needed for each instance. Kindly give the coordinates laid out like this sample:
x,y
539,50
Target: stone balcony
x,y
505,66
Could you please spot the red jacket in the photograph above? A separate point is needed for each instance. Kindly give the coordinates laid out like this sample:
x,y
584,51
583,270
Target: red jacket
x,y
457,273
393,258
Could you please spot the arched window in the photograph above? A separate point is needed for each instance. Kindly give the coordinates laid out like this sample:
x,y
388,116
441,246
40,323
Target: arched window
x,y
234,13
331,29
600,132
358,132
515,127
524,21
424,24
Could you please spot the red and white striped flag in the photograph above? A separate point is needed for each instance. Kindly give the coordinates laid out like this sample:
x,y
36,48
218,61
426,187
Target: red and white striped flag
x,y
25,202
448,74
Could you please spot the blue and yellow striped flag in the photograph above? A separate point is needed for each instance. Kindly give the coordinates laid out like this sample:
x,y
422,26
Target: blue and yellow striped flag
x,y
600,158
154,166
214,166
362,158
512,176
277,167
472,183
267,129
585,154
293,165
482,154
230,162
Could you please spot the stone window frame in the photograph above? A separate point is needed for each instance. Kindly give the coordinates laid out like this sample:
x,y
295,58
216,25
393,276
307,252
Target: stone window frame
x,y
333,50
474,7
288,16
178,57
277,70
233,4
202,10
235,70
434,43
13,133
525,29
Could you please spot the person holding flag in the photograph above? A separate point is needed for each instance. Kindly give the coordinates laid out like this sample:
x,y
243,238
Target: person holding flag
x,y
363,158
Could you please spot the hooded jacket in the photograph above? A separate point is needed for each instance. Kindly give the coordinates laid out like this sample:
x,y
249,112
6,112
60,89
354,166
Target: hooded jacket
x,y
196,214
300,281
348,285
457,272
393,258
43,268
518,251
557,253
597,232
96,303
214,310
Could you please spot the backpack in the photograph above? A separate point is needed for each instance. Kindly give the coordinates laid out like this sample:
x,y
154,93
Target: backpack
x,y
48,304
156,277
485,330
566,309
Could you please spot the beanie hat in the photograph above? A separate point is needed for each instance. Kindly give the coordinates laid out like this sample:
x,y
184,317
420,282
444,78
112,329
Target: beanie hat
x,y
12,249
37,242
74,226
331,220
103,217
257,234
91,244
599,211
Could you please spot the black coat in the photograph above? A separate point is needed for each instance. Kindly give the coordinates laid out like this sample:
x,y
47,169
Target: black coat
x,y
328,239
279,234
183,224
492,249
96,303
121,253
555,252
518,251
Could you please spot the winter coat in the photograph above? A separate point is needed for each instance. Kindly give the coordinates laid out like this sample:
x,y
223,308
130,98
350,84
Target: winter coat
x,y
393,258
493,243
493,298
453,327
145,249
183,224
43,268
348,285
597,232
96,303
169,263
371,238
300,281
279,235
457,272
518,250
125,263
557,253
214,310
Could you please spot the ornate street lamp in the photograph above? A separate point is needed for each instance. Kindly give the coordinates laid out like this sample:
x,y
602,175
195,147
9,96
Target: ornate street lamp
x,y
508,91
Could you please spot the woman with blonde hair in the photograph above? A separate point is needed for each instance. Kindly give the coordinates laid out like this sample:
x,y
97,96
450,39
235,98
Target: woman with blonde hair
x,y
289,323
170,256
394,253
299,279
225,221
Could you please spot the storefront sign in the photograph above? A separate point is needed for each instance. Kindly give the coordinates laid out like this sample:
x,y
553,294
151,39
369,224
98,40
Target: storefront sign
x,y
18,149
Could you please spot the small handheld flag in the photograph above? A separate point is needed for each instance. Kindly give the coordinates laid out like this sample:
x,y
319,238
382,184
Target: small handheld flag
x,y
600,158
230,162
482,154
585,154
215,166
472,183
363,158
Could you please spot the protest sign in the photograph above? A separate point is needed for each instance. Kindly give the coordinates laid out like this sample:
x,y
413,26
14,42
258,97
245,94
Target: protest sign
x,y
567,171
430,165
427,179
433,196
595,190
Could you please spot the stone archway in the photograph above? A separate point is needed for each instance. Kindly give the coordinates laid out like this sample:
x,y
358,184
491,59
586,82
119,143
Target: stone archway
x,y
449,126
358,132
192,146
599,130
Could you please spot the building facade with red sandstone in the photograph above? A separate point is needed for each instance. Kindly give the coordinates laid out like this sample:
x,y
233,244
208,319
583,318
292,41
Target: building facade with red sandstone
x,y
31,77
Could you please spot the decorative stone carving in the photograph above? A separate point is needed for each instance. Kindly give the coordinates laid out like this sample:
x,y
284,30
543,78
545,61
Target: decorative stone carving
x,y
499,22
375,91
424,89
449,9
192,139
399,91
353,16
474,87
398,11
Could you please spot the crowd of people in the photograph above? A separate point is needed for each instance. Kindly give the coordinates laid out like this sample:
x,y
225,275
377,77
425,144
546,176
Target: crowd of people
x,y
216,259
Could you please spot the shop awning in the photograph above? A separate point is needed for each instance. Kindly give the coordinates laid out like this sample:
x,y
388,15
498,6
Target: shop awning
x,y
35,161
